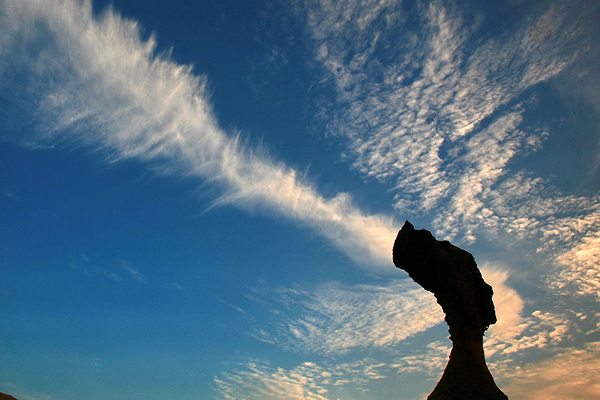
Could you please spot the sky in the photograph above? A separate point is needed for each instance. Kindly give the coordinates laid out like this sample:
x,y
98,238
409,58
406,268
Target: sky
x,y
198,199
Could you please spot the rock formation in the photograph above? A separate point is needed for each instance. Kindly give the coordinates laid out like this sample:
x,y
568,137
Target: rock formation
x,y
453,277
4,396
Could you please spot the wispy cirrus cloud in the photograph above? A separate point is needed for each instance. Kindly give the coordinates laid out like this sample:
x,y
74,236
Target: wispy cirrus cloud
x,y
416,115
258,380
83,265
132,271
345,322
340,320
322,380
573,374
307,381
430,361
431,104
93,81
335,318
327,319
579,264
517,330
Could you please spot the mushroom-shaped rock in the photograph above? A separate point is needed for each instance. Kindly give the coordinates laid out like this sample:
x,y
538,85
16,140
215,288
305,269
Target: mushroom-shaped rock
x,y
453,277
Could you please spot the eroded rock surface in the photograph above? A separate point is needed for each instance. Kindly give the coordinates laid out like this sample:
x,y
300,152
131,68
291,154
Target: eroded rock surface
x,y
453,277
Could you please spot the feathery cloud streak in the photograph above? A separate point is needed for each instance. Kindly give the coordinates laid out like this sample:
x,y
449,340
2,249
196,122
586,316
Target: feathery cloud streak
x,y
325,380
327,320
94,82
308,381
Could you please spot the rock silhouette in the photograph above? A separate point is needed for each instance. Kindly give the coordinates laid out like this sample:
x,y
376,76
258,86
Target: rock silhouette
x,y
453,277
4,396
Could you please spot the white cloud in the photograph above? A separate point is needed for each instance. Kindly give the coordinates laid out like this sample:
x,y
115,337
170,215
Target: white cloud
x,y
96,83
411,118
431,361
328,320
579,265
516,331
258,380
439,113
11,195
132,271
307,381
572,374
563,228
336,318
509,307
539,330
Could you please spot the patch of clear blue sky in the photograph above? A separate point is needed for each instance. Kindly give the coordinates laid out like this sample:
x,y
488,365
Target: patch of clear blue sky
x,y
71,307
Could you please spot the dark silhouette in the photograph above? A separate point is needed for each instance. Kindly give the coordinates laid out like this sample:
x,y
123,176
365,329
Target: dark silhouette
x,y
453,277
4,396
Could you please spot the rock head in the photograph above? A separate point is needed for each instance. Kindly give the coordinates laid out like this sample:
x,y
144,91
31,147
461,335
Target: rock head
x,y
451,274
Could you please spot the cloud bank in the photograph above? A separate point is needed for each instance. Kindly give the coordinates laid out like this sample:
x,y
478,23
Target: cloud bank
x,y
93,81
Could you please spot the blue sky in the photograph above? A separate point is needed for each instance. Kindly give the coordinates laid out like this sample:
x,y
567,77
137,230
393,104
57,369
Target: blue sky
x,y
198,200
